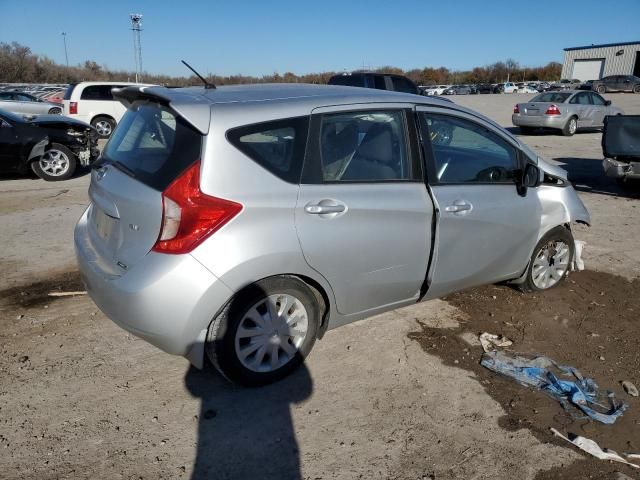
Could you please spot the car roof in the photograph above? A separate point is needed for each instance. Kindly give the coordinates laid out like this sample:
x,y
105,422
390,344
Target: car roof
x,y
274,100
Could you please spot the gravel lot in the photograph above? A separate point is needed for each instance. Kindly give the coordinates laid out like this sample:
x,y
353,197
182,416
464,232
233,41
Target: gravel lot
x,y
83,399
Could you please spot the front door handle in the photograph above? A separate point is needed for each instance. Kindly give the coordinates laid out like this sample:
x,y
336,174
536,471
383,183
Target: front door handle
x,y
459,207
323,207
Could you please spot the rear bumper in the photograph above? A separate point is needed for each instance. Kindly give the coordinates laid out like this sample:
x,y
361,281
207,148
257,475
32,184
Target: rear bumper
x,y
616,169
538,121
167,300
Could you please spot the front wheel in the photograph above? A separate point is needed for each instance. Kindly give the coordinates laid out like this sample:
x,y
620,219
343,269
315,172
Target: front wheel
x,y
57,163
601,89
265,332
550,261
636,89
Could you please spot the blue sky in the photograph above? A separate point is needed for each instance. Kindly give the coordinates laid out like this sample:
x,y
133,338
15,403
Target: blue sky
x,y
262,37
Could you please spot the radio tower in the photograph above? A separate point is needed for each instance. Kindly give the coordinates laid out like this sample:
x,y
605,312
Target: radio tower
x,y
136,27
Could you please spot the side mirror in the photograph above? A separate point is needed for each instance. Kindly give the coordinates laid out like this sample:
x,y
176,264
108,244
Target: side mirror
x,y
607,103
530,179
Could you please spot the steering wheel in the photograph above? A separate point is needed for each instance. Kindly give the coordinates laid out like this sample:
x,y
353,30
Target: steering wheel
x,y
493,174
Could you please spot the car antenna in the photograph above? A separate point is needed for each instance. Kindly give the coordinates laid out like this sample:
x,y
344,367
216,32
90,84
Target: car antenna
x,y
207,85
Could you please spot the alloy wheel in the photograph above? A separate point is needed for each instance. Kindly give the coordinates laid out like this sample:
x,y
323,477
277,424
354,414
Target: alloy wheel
x,y
271,332
104,128
54,163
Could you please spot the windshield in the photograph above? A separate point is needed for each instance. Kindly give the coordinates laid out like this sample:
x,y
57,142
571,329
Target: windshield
x,y
555,97
153,144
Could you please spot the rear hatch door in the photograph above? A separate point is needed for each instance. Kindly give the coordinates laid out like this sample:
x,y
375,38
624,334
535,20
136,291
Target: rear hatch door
x,y
621,137
151,146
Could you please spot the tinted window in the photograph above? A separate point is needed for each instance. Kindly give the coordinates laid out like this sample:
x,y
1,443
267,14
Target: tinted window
x,y
401,84
97,92
277,146
597,99
555,97
21,97
379,83
153,144
466,152
5,96
364,147
348,80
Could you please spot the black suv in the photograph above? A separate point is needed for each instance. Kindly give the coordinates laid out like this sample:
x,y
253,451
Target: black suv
x,y
381,81
617,83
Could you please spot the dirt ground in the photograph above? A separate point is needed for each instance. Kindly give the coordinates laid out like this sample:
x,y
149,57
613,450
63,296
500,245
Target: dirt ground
x,y
398,396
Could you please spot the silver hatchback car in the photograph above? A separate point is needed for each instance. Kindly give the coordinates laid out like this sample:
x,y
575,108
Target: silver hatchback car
x,y
567,111
243,222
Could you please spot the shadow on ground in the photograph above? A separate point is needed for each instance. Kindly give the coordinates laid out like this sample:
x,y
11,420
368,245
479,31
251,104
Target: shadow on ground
x,y
247,432
587,175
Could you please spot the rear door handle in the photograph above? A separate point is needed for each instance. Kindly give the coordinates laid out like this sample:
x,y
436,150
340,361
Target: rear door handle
x,y
459,206
323,207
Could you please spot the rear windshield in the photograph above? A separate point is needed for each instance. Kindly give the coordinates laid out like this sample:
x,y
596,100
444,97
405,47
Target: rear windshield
x,y
555,97
69,91
153,144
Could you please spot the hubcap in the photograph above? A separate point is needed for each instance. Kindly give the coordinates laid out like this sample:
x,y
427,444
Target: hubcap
x,y
271,332
572,125
54,163
551,264
104,128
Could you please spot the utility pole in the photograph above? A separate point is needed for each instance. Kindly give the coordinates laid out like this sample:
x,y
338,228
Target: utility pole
x,y
66,54
136,27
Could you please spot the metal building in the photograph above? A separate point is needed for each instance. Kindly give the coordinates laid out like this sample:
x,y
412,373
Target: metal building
x,y
596,61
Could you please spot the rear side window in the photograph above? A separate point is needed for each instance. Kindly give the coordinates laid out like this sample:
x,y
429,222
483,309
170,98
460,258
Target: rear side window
x,y
379,83
277,146
153,144
347,80
98,92
401,84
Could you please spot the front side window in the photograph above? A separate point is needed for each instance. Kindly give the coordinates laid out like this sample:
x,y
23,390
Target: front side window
x,y
367,146
467,152
277,146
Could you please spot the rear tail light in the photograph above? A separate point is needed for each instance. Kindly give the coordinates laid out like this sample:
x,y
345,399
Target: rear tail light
x,y
516,109
552,110
190,216
73,108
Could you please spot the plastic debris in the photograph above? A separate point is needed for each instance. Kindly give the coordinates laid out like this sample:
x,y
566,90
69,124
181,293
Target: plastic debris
x,y
490,342
538,372
66,294
578,263
594,449
630,388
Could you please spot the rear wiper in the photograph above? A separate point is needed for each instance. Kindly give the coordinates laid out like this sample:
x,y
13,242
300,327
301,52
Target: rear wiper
x,y
106,161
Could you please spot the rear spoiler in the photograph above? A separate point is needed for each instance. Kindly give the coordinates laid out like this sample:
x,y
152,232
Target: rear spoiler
x,y
621,137
194,108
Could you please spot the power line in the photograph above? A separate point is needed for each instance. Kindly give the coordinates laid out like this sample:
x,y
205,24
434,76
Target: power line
x,y
66,54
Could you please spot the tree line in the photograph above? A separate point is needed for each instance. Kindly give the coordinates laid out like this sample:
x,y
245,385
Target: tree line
x,y
18,64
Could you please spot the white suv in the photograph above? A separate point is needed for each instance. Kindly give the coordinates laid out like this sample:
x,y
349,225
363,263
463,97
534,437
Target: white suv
x,y
92,102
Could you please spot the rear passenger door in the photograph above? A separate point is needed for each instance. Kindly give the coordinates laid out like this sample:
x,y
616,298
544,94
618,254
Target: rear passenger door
x,y
584,109
363,214
485,230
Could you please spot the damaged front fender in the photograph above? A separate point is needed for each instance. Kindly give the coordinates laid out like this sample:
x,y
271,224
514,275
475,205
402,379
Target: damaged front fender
x,y
38,149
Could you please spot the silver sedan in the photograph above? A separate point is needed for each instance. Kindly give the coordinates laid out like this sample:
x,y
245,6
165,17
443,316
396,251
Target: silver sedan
x,y
26,104
566,111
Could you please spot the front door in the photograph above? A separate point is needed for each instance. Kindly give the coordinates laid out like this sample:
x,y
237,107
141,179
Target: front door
x,y
600,109
485,231
363,214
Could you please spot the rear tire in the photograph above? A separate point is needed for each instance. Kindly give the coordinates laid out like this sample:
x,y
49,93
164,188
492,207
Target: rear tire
x,y
550,261
104,126
636,89
265,332
55,111
57,163
571,127
601,89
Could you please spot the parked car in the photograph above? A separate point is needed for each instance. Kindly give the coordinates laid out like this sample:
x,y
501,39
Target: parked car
x,y
565,84
566,111
617,83
380,81
25,103
621,148
506,87
588,85
51,145
458,90
484,88
527,89
93,103
245,221
435,89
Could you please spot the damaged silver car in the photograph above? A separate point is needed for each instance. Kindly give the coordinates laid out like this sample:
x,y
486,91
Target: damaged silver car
x,y
243,222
